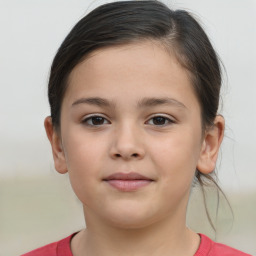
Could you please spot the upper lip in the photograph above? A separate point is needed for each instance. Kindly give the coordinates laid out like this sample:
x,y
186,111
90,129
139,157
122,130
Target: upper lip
x,y
126,176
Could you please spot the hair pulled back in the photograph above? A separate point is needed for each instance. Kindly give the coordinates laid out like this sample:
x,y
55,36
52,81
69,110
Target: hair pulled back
x,y
125,22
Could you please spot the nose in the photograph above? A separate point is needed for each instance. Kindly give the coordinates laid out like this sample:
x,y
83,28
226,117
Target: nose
x,y
127,144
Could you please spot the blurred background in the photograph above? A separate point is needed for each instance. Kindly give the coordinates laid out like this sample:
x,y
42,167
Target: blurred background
x,y
37,205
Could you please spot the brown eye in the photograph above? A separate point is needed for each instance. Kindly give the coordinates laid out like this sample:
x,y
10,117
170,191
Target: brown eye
x,y
160,121
95,121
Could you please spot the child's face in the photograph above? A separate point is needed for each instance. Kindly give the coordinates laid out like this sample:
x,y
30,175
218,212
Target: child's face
x,y
126,87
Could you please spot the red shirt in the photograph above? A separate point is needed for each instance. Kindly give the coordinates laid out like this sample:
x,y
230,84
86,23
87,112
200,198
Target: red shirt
x,y
207,248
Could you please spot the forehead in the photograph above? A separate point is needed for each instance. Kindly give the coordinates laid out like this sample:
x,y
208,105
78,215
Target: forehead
x,y
144,54
145,68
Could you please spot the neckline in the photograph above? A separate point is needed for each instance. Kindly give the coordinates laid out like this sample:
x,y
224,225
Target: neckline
x,y
64,246
204,246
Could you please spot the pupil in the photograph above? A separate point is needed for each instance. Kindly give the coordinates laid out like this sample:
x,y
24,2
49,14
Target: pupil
x,y
159,120
97,120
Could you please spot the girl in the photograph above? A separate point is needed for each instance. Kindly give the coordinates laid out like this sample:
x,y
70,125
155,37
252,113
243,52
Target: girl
x,y
134,92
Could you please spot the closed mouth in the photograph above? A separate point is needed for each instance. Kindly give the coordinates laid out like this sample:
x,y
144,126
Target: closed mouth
x,y
127,176
127,181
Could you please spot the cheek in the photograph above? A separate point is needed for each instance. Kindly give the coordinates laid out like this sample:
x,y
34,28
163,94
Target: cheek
x,y
83,158
177,155
83,150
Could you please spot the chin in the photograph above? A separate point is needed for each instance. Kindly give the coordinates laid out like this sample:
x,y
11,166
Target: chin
x,y
130,217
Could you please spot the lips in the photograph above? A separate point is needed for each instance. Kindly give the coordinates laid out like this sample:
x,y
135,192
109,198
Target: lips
x,y
127,181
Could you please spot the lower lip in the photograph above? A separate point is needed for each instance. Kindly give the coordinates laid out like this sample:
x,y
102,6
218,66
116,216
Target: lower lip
x,y
128,185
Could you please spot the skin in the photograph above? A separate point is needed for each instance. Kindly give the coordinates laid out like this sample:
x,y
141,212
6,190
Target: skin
x,y
150,220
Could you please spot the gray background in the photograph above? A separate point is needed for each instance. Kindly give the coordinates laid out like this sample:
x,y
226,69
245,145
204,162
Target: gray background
x,y
31,32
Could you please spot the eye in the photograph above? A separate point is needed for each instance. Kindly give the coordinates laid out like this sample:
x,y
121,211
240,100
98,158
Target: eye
x,y
95,121
160,121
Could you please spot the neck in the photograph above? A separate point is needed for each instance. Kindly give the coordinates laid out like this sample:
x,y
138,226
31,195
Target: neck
x,y
165,237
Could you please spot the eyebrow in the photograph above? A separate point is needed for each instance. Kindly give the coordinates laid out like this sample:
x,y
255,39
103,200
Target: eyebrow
x,y
151,102
145,102
97,101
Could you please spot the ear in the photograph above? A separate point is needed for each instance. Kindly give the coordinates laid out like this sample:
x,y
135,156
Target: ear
x,y
57,149
210,146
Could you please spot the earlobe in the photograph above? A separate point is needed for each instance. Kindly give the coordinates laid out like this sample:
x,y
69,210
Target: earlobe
x,y
57,150
210,146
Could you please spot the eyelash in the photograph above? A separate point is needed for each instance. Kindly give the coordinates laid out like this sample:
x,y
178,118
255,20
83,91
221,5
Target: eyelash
x,y
86,120
169,120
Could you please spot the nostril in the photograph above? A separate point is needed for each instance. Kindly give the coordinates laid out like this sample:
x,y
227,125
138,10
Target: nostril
x,y
132,155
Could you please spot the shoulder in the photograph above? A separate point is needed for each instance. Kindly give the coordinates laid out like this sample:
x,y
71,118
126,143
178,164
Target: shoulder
x,y
210,248
60,248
